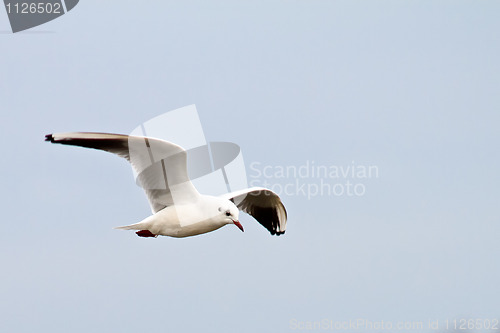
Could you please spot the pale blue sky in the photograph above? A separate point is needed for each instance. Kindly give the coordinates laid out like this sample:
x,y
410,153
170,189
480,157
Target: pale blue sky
x,y
411,87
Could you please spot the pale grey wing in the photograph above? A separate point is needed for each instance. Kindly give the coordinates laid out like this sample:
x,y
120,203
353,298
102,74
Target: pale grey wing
x,y
160,166
264,205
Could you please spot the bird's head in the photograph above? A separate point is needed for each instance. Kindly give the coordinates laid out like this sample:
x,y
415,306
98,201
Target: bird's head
x,y
230,213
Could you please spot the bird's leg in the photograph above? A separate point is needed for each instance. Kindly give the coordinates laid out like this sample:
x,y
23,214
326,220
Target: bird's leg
x,y
145,233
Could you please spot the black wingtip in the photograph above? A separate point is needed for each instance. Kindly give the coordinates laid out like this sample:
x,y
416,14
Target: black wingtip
x,y
49,138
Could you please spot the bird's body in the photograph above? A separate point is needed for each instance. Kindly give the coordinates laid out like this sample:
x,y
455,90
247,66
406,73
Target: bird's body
x,y
178,209
189,219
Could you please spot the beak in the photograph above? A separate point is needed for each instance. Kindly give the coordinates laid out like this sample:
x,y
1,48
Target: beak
x,y
238,224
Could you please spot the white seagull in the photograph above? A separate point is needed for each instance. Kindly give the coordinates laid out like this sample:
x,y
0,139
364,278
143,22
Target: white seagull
x,y
179,210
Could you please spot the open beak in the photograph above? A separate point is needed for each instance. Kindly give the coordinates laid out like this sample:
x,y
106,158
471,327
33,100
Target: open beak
x,y
238,224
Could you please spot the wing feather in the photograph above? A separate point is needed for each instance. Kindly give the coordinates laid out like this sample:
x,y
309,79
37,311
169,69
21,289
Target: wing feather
x,y
160,166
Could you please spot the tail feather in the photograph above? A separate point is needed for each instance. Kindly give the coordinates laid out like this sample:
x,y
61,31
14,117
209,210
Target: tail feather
x,y
135,226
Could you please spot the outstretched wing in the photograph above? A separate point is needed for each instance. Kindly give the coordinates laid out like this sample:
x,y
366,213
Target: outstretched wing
x,y
160,166
264,205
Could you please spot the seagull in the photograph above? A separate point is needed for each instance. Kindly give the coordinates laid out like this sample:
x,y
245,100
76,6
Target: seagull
x,y
178,209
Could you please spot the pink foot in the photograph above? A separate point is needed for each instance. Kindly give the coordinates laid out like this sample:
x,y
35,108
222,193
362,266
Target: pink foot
x,y
145,233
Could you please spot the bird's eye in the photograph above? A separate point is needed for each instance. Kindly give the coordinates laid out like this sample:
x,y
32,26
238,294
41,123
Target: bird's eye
x,y
228,213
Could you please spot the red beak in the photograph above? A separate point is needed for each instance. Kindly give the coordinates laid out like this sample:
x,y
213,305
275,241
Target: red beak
x,y
238,224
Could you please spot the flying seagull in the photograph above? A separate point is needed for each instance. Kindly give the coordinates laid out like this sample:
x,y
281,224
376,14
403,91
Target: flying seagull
x,y
179,210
